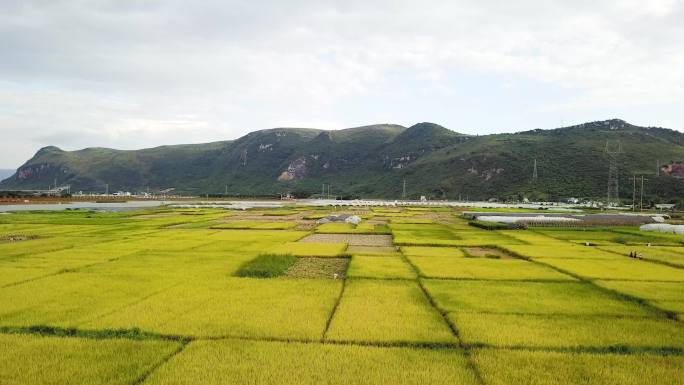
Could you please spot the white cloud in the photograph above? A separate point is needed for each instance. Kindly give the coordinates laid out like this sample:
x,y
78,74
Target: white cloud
x,y
135,74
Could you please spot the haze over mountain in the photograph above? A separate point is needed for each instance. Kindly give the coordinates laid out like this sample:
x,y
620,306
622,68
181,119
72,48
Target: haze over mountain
x,y
4,173
373,161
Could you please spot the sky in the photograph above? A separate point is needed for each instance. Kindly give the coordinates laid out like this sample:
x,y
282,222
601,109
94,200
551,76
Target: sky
x,y
135,74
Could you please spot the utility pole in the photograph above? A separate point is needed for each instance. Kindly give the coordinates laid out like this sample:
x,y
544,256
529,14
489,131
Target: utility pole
x,y
534,173
641,203
658,167
107,189
634,193
226,193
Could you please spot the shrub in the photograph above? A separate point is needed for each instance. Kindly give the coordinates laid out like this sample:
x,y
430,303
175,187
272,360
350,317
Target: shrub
x,y
266,266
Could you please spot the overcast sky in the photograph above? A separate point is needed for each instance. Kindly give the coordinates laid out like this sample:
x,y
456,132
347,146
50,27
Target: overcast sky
x,y
134,74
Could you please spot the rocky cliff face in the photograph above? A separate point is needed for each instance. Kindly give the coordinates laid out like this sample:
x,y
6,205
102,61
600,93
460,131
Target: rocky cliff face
x,y
674,169
295,170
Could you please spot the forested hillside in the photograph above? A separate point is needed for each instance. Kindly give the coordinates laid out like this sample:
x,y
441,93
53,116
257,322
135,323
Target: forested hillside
x,y
373,161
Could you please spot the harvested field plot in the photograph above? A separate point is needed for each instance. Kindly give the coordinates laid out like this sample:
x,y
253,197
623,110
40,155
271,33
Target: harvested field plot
x,y
380,267
36,360
275,363
484,268
318,268
351,239
486,252
348,228
526,367
379,310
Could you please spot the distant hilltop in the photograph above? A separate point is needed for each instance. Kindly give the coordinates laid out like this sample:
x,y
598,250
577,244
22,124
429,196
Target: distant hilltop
x,y
375,160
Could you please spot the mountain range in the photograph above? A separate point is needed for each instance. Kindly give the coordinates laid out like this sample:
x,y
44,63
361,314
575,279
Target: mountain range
x,y
374,161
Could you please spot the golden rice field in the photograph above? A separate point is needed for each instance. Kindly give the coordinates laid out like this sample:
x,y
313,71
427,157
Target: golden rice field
x,y
211,296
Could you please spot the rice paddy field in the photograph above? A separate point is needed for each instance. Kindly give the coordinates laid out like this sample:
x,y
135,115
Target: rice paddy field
x,y
408,296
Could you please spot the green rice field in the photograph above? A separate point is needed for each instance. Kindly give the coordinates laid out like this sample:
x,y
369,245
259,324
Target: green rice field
x,y
411,295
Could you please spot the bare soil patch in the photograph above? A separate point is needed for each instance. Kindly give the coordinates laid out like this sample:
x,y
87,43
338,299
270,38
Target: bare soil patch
x,y
350,239
306,225
320,268
487,252
17,238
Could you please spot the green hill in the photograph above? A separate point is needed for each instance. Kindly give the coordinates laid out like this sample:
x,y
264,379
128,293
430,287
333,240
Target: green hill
x,y
372,161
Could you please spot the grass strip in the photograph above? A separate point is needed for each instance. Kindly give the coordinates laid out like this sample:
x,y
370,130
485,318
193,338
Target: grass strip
x,y
266,266
53,331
